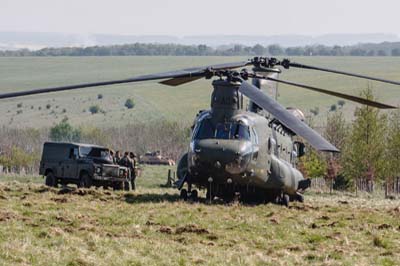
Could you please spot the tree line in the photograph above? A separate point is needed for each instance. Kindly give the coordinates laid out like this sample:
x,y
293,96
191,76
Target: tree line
x,y
370,150
149,49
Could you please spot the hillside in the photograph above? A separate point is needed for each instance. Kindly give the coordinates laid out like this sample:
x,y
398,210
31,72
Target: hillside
x,y
154,101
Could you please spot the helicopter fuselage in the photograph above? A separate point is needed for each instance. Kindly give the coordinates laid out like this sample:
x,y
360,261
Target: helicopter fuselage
x,y
233,150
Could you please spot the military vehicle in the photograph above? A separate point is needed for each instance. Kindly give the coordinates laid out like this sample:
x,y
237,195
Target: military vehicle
x,y
81,164
155,158
236,150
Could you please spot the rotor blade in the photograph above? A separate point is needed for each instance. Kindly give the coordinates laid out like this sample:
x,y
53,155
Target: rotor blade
x,y
179,81
190,73
286,118
165,75
183,80
337,94
342,73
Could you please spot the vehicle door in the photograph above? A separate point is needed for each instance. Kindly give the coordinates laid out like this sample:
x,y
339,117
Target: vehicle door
x,y
70,165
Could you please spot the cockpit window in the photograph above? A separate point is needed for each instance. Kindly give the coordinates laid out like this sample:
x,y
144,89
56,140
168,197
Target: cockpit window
x,y
206,130
239,131
223,131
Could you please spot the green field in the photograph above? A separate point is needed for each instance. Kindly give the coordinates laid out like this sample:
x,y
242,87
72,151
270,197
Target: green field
x,y
40,226
155,101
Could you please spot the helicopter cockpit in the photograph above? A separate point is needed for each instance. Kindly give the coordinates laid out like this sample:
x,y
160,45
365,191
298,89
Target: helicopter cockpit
x,y
228,130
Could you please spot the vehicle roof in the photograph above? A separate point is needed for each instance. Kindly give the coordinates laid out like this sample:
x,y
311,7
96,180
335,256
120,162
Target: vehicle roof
x,y
51,143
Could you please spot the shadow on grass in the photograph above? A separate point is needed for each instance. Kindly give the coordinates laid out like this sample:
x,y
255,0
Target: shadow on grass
x,y
150,198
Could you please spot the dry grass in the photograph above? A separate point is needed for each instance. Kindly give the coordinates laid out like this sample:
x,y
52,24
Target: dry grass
x,y
41,226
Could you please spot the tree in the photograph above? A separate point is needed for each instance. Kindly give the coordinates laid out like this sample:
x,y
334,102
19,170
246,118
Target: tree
x,y
312,164
275,49
392,152
336,129
64,132
362,158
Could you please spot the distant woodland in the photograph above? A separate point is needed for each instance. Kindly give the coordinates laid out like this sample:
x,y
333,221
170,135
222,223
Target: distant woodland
x,y
145,49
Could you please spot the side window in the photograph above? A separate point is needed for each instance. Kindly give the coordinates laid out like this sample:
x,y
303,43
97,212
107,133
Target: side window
x,y
254,137
73,153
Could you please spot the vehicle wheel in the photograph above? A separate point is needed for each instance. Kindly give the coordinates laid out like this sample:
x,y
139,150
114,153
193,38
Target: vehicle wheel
x,y
194,195
127,186
133,185
118,185
184,194
51,180
285,200
85,181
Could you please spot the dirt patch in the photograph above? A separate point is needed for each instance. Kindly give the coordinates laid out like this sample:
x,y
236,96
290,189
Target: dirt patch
x,y
7,216
150,223
165,230
191,228
384,226
59,200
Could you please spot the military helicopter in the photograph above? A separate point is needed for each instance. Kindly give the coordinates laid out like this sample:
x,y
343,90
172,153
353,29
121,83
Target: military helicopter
x,y
237,150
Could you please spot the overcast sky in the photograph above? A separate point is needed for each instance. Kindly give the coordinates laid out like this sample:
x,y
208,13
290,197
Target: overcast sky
x,y
185,17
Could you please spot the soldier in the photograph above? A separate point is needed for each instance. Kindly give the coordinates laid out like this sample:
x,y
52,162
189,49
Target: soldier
x,y
112,156
128,163
117,157
133,169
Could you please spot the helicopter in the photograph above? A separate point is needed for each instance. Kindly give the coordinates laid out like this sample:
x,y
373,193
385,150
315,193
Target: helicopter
x,y
236,150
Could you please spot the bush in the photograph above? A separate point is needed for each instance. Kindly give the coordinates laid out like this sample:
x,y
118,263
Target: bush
x,y
100,96
94,109
19,112
129,103
65,132
48,106
333,108
19,105
341,103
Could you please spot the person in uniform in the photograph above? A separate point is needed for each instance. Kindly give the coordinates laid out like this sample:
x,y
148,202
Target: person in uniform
x,y
132,157
117,157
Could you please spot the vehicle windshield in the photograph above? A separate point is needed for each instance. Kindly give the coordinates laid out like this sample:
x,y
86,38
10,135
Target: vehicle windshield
x,y
231,130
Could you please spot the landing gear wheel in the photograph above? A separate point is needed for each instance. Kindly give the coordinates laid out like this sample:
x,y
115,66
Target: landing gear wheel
x,y
51,181
209,195
300,198
194,196
85,181
184,194
285,200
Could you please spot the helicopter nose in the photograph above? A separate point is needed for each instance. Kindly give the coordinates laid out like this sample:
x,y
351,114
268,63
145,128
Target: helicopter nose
x,y
219,153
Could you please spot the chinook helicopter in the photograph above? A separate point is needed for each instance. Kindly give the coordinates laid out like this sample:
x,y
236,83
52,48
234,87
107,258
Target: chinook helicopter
x,y
237,150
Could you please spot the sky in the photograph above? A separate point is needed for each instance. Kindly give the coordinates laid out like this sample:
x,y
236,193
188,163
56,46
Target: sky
x,y
205,17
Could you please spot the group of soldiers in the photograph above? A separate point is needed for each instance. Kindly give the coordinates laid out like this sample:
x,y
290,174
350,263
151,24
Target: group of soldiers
x,y
129,161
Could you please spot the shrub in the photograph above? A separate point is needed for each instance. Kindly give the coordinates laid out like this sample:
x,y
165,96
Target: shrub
x,y
19,112
129,103
65,132
341,103
94,109
19,105
100,96
333,108
48,106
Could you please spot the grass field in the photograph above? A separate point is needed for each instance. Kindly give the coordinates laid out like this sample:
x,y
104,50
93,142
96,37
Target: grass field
x,y
155,101
40,226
